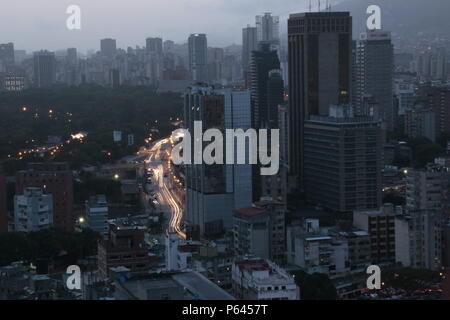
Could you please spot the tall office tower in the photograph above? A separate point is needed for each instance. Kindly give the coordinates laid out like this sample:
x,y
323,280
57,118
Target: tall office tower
x,y
20,56
319,72
44,69
108,47
55,179
6,56
198,57
437,98
274,188
72,56
154,45
215,64
249,44
275,97
420,121
342,161
3,206
214,191
33,210
268,28
406,95
264,60
168,46
432,65
375,67
114,78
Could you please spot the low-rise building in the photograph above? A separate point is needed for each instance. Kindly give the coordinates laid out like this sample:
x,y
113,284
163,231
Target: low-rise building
x,y
97,214
168,286
260,230
125,247
380,225
418,239
259,279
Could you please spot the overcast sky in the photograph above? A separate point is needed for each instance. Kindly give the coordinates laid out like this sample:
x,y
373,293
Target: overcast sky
x,y
41,24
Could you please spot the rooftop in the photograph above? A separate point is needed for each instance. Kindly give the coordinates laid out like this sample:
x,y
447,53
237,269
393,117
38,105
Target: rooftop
x,y
249,211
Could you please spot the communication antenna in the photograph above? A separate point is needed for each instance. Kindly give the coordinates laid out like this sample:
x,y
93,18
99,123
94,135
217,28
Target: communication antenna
x,y
319,5
309,5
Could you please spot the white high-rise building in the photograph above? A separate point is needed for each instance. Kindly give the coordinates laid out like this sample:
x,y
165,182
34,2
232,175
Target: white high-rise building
x,y
418,239
268,28
198,57
33,211
213,192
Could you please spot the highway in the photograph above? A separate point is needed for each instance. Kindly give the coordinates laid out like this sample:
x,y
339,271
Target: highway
x,y
158,161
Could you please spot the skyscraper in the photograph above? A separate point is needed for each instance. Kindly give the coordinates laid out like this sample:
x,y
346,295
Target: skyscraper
x,y
215,64
319,72
342,161
268,28
6,56
72,56
374,73
44,69
275,97
249,44
3,207
264,60
108,47
198,57
214,191
154,45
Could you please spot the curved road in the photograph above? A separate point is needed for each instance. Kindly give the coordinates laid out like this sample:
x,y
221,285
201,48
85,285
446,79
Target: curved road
x,y
160,167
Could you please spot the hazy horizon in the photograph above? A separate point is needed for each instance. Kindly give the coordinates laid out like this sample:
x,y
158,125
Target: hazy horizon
x,y
33,25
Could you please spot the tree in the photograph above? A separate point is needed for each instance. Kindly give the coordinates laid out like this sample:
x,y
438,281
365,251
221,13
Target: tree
x,y
316,286
47,244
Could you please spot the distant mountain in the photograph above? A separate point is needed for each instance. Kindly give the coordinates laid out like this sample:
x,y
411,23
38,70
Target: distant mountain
x,y
403,17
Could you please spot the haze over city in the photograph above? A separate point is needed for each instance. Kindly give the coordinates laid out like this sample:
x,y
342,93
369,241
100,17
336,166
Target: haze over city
x,y
42,24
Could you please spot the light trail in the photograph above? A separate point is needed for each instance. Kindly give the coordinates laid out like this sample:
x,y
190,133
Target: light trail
x,y
176,210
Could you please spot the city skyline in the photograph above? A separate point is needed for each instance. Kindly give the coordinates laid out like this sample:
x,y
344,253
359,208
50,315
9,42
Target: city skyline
x,y
309,159
132,23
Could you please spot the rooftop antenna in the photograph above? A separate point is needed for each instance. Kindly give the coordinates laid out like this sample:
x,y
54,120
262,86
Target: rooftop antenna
x,y
319,5
309,5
